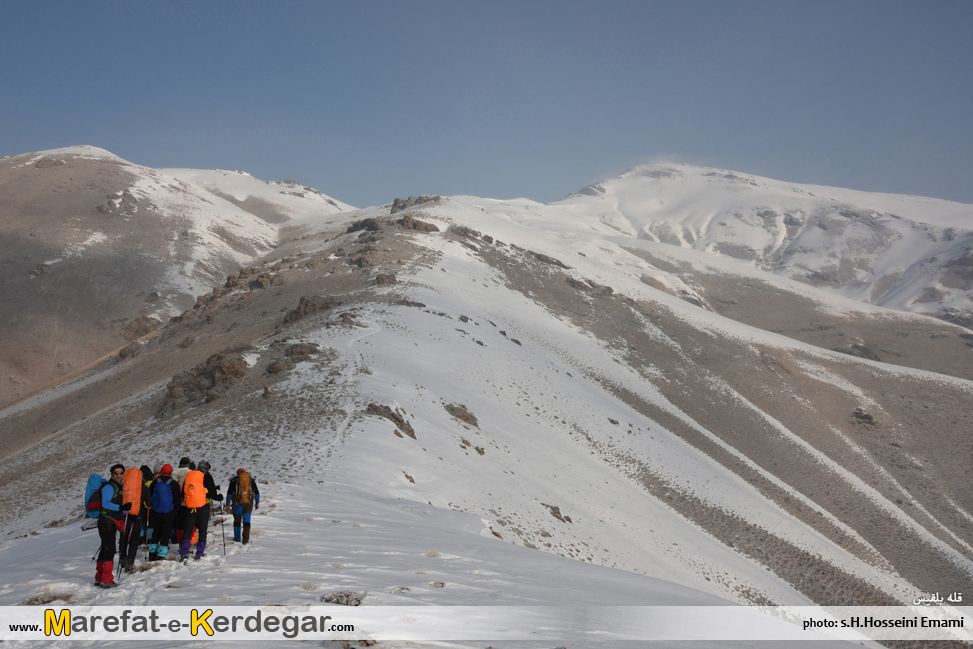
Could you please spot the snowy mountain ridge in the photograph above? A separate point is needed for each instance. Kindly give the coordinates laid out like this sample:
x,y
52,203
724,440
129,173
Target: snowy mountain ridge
x,y
526,375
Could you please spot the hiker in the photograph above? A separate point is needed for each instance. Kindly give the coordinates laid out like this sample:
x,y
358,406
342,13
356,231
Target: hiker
x,y
166,496
180,475
199,492
145,517
114,519
242,497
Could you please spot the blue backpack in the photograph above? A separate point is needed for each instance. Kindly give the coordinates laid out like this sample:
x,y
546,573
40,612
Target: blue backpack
x,y
162,501
92,495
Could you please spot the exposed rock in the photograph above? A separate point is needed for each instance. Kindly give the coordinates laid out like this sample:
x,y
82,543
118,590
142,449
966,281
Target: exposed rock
x,y
556,513
277,367
311,304
400,204
129,350
208,380
410,223
393,416
549,260
345,597
577,285
385,279
367,256
863,416
464,231
299,352
370,225
419,305
460,412
265,280
140,326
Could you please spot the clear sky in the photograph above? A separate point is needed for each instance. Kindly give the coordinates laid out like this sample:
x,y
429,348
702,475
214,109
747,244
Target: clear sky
x,y
367,101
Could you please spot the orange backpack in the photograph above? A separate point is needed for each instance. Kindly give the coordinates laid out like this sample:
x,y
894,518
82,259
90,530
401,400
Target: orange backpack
x,y
193,490
132,490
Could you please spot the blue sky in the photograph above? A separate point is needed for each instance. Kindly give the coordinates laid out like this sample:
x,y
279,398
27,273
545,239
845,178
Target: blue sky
x,y
367,101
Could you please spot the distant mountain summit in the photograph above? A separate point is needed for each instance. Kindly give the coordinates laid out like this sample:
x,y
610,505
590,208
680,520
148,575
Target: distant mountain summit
x,y
98,251
903,252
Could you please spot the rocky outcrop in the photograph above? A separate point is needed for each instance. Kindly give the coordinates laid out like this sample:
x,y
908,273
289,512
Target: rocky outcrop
x,y
394,416
311,304
207,381
410,223
140,326
400,204
460,412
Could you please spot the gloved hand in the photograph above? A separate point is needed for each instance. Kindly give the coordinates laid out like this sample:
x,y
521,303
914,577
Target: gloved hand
x,y
257,506
126,507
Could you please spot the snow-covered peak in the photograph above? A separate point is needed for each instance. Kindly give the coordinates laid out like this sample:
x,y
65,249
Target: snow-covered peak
x,y
905,252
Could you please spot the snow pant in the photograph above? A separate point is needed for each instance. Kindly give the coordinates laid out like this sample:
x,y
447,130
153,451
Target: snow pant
x,y
161,533
129,544
241,514
197,517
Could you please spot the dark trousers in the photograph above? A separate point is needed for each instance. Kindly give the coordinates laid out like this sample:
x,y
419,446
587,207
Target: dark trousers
x,y
198,518
107,529
162,527
179,523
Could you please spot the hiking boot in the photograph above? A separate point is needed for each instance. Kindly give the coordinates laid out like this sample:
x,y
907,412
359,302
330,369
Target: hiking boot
x,y
111,585
153,557
130,567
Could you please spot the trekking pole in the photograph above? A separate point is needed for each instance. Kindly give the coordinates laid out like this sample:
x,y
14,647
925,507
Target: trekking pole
x,y
148,513
118,571
223,527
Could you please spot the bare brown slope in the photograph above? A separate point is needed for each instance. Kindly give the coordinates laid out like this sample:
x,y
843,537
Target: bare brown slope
x,y
81,258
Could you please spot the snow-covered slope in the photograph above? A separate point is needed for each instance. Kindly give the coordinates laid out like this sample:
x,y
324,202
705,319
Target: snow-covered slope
x,y
903,252
274,202
512,380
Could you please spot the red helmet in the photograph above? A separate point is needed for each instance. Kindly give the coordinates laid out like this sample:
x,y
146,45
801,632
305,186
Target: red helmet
x,y
166,469
241,470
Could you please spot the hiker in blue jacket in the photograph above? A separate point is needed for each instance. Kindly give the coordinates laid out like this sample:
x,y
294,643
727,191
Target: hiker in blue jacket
x,y
113,521
166,495
241,503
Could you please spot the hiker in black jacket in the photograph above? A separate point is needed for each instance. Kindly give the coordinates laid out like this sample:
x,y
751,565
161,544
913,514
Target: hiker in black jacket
x,y
198,517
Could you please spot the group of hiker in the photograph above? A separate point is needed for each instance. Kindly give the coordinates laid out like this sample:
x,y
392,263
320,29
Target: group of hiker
x,y
162,507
